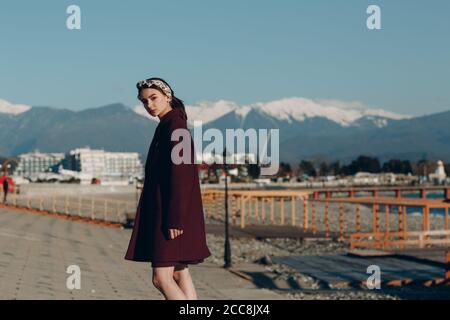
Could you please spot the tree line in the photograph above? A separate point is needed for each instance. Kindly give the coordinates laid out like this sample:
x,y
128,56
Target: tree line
x,y
363,163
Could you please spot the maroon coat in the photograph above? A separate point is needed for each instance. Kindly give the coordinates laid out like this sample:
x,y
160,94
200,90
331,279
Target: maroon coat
x,y
170,198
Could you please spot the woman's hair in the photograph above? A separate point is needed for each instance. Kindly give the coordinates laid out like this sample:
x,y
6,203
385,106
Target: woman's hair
x,y
175,103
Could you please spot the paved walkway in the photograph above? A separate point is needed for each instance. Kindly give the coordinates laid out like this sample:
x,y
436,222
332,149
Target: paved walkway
x,y
36,250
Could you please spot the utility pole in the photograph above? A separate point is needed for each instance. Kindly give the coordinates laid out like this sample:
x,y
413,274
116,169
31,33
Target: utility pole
x,y
227,251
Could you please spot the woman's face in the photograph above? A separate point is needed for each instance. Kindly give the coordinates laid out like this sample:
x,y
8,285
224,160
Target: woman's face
x,y
155,102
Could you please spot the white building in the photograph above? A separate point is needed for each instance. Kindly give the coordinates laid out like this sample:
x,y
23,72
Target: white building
x,y
439,176
100,163
37,162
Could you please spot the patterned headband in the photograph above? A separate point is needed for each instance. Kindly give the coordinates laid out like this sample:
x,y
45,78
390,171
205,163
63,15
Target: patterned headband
x,y
158,83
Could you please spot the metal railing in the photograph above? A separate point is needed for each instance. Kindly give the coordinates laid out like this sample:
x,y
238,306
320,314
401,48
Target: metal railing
x,y
333,217
386,240
257,207
93,208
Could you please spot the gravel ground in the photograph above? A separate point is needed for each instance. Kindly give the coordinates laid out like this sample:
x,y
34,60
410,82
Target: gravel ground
x,y
255,251
352,295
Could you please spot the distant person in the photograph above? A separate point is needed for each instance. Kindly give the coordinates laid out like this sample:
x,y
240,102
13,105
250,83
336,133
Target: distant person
x,y
5,189
169,227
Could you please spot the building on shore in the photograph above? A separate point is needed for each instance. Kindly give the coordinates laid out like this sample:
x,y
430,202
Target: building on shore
x,y
439,176
103,164
83,164
37,162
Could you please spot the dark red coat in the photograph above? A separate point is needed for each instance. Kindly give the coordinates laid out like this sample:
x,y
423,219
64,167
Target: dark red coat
x,y
171,198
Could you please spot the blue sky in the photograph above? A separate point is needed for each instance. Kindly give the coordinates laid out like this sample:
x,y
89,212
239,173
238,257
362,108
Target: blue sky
x,y
243,51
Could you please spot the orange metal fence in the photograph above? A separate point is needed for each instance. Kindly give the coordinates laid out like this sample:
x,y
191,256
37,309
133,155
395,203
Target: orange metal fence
x,y
258,207
397,191
342,216
387,240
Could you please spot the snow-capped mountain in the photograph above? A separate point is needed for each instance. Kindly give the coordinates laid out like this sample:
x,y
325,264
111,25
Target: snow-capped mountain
x,y
292,110
8,107
203,111
340,112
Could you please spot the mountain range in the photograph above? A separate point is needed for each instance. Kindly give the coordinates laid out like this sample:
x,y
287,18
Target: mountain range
x,y
309,129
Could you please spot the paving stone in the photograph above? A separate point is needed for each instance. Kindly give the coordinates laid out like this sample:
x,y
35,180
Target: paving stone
x,y
36,250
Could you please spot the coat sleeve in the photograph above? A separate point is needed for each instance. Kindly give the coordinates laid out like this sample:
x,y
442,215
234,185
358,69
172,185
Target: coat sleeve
x,y
180,177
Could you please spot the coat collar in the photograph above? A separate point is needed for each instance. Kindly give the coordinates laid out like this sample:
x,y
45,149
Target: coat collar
x,y
169,115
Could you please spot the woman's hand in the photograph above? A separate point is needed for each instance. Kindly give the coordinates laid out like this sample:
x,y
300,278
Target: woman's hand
x,y
173,233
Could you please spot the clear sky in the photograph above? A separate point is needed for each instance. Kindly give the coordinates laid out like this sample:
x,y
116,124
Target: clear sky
x,y
240,50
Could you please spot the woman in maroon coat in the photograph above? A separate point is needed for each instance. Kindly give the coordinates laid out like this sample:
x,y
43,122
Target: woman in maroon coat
x,y
169,228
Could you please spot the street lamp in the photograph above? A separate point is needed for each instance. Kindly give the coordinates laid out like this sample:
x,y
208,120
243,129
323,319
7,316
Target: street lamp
x,y
227,252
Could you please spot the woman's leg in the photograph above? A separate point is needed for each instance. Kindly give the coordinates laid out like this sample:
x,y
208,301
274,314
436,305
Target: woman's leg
x,y
183,279
163,280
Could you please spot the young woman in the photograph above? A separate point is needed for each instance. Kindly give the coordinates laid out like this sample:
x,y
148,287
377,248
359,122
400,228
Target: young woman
x,y
169,228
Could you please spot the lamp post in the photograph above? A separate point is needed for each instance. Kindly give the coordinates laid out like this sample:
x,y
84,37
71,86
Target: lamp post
x,y
227,251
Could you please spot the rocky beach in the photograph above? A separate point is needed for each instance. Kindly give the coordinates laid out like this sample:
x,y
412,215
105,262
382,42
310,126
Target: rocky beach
x,y
249,250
